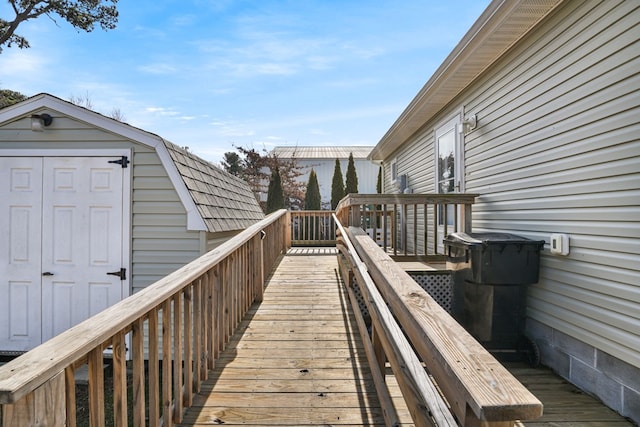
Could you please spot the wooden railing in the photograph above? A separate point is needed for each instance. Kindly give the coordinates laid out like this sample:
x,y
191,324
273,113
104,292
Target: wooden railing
x,y
471,387
178,326
313,228
408,224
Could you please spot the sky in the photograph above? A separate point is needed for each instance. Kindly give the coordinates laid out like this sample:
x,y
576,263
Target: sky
x,y
213,75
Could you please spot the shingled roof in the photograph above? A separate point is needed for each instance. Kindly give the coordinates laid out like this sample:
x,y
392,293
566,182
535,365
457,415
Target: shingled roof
x,y
224,201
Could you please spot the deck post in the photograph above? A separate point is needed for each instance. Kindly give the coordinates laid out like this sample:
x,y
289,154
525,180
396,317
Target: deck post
x,y
258,267
46,405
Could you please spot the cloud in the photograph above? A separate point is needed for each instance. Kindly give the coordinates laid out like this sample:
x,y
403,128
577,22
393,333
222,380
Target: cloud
x,y
162,111
162,68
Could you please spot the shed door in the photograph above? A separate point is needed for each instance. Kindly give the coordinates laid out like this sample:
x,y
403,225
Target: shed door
x,y
64,218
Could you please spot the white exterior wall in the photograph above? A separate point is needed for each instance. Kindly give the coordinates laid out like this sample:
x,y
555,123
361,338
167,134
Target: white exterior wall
x,y
367,175
557,150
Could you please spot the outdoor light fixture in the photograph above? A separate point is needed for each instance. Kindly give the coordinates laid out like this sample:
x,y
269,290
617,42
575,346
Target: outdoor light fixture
x,y
469,123
40,121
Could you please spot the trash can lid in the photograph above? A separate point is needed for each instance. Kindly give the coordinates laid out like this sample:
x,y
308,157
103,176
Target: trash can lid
x,y
488,238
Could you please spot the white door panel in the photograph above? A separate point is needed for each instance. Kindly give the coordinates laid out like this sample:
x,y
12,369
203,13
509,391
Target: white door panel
x,y
20,256
63,218
82,207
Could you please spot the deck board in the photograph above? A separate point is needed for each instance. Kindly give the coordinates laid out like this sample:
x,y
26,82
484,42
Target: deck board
x,y
297,359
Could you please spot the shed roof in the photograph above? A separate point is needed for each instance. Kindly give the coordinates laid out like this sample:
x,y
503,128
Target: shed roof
x,y
215,200
224,201
322,152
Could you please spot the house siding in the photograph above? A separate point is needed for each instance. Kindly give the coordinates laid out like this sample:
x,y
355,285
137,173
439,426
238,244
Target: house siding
x,y
559,154
557,150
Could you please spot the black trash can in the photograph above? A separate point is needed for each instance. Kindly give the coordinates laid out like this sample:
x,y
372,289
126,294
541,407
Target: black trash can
x,y
490,272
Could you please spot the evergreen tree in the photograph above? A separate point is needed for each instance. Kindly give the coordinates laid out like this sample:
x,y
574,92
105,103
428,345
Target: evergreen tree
x,y
337,186
10,97
232,163
312,196
275,197
351,185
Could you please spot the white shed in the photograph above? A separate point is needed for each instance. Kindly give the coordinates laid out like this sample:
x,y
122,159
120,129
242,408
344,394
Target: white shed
x,y
92,210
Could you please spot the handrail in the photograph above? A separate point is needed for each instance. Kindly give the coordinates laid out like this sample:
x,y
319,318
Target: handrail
x,y
220,285
425,403
479,390
410,225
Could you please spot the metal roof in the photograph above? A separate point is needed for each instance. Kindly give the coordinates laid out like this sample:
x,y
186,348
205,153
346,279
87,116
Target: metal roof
x,y
322,152
224,201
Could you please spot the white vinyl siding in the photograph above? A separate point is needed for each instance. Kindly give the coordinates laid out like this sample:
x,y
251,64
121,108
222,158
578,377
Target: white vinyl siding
x,y
161,242
557,150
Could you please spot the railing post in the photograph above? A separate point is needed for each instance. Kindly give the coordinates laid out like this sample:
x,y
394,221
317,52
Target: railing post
x,y
258,266
287,232
466,218
44,406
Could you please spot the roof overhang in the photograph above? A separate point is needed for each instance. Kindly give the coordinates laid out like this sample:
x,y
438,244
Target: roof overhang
x,y
50,102
500,26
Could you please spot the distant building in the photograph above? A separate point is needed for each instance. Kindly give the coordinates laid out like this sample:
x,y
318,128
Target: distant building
x,y
323,159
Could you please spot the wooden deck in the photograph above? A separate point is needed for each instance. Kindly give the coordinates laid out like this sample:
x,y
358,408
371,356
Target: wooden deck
x,y
297,359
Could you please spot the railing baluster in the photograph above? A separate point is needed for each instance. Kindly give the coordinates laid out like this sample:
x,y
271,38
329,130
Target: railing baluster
x,y
119,380
70,395
225,296
204,310
203,321
167,418
394,231
96,388
425,227
211,321
177,358
153,370
197,334
217,312
415,229
188,346
137,349
435,229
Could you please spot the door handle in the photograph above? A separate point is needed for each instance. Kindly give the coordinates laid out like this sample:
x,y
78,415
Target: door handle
x,y
47,273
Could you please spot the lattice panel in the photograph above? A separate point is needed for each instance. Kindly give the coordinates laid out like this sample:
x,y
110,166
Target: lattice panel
x,y
438,285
